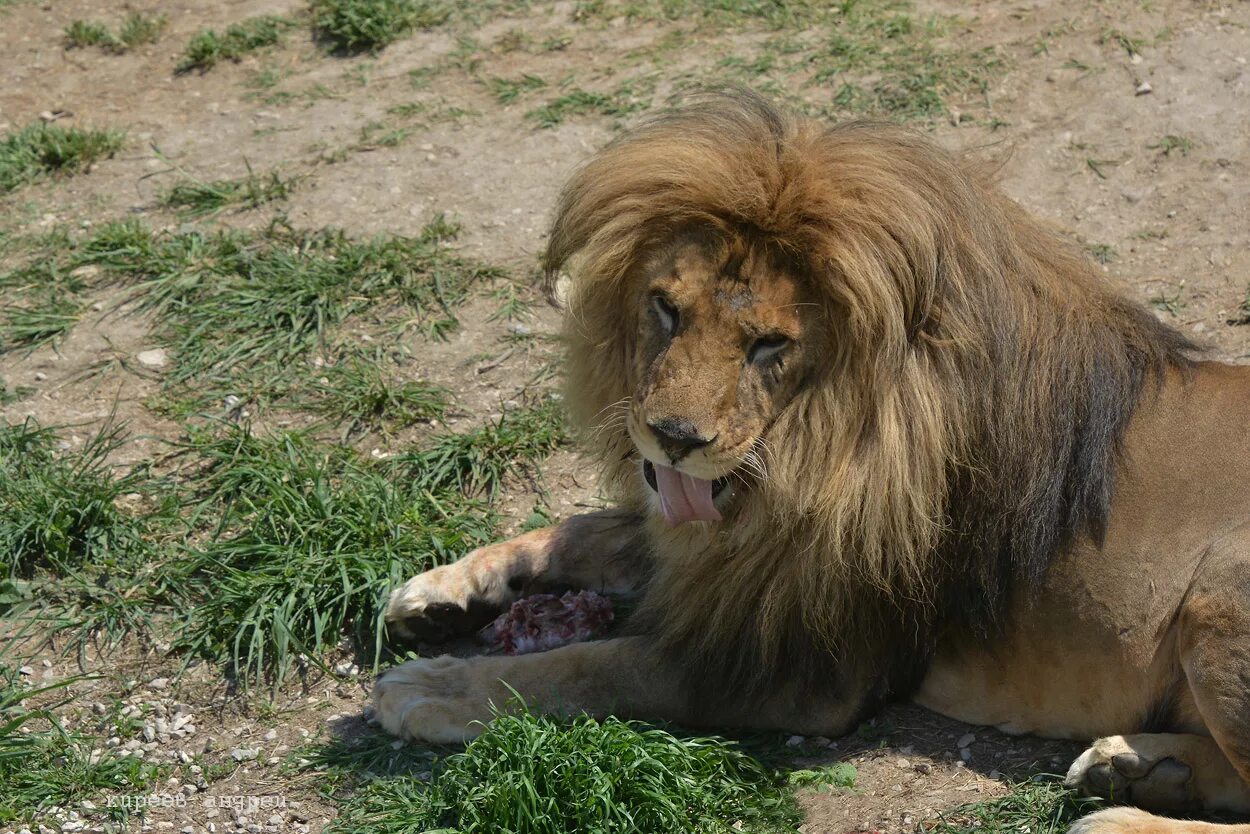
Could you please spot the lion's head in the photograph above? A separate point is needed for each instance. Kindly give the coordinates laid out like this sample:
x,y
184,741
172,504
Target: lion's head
x,y
723,343
876,384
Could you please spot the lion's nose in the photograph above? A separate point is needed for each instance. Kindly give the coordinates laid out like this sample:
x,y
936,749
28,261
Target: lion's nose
x,y
677,436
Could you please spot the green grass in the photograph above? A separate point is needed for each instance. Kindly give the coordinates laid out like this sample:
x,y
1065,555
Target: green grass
x,y
1104,253
480,461
508,90
369,25
1172,142
61,512
42,765
42,149
243,312
721,13
135,29
913,70
1037,807
360,395
193,199
258,548
860,57
47,320
317,539
10,394
72,538
532,774
209,47
1170,300
624,100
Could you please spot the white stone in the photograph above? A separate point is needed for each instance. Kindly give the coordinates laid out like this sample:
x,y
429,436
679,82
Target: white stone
x,y
154,358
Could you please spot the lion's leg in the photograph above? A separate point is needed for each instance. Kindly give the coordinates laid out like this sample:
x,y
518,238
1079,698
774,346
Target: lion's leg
x,y
1185,773
1163,772
1137,821
442,699
600,551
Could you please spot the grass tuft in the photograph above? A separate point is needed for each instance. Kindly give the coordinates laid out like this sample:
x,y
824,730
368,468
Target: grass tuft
x,y
317,538
369,25
578,102
208,48
481,461
42,149
360,395
508,90
531,774
136,29
243,311
47,320
1036,807
62,512
193,199
1165,146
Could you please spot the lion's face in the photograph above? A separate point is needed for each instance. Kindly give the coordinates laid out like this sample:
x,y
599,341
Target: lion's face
x,y
721,351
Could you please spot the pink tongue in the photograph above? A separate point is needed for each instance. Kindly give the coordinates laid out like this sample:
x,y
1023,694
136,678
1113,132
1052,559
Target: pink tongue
x,y
684,498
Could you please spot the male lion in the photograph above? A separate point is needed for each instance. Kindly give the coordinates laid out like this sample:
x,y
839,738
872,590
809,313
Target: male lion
x,y
875,433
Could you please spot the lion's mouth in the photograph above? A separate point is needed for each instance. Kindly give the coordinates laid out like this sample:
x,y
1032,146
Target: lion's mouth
x,y
683,497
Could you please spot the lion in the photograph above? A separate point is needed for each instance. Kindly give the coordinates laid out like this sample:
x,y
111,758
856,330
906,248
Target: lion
x,y
875,433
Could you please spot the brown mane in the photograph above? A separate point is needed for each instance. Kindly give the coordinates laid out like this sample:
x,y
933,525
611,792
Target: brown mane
x,y
981,373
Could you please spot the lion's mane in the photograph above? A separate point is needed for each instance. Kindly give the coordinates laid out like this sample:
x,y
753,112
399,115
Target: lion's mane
x,y
980,374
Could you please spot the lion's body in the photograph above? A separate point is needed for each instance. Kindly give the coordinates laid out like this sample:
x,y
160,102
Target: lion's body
x,y
898,438
1097,648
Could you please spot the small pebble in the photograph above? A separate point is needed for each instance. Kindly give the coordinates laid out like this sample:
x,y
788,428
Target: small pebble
x,y
158,684
154,358
966,739
1143,88
244,754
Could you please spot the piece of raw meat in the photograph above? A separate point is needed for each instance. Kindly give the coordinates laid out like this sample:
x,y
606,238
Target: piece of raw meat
x,y
545,621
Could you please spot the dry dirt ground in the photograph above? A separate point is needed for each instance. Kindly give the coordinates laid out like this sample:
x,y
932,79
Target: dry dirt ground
x,y
1079,102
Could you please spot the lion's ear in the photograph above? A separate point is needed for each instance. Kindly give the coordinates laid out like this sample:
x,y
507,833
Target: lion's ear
x,y
556,285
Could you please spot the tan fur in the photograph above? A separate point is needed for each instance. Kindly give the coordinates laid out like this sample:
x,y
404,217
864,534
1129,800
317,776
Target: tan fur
x,y
975,471
911,273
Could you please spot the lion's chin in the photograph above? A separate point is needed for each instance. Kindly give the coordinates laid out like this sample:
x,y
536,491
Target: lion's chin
x,y
684,497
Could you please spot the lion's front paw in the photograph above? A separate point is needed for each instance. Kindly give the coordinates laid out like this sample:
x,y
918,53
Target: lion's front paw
x,y
1117,770
445,602
435,699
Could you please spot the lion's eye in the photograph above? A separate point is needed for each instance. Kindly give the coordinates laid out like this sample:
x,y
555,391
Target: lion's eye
x,y
766,348
666,312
